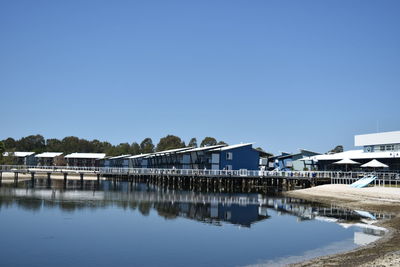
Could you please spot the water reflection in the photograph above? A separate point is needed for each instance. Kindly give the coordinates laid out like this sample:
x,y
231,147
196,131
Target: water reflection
x,y
276,227
213,208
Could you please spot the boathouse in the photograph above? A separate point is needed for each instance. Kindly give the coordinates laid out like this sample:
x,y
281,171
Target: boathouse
x,y
50,159
197,158
119,161
138,161
167,159
84,159
21,158
384,147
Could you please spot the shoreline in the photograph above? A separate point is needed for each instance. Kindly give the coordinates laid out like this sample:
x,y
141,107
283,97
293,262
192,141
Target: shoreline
x,y
383,252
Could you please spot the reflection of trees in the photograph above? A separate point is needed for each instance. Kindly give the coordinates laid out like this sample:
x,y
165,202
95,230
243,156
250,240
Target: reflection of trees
x,y
133,205
167,209
29,204
144,208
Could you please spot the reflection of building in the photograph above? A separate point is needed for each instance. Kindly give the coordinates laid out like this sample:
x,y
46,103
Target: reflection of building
x,y
21,158
50,159
243,215
84,159
384,147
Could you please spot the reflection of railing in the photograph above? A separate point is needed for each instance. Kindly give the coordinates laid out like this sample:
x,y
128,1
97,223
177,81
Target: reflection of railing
x,y
342,177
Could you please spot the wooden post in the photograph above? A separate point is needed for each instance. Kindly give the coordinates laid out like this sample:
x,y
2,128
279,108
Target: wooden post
x,y
33,178
1,178
81,174
65,178
98,178
16,177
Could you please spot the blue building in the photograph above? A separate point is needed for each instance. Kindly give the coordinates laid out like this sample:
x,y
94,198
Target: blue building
x,y
197,158
235,157
219,157
138,161
119,161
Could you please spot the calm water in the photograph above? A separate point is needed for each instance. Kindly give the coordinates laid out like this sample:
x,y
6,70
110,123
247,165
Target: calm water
x,y
118,224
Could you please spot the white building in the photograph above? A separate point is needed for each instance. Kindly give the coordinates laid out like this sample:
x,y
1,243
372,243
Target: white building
x,y
384,147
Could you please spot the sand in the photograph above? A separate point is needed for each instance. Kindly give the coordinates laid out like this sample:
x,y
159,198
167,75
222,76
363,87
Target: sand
x,y
385,251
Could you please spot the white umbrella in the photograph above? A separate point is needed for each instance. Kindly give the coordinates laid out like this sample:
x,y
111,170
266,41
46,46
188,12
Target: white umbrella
x,y
346,162
374,164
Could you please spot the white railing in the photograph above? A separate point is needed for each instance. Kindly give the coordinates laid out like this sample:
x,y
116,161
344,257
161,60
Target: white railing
x,y
333,175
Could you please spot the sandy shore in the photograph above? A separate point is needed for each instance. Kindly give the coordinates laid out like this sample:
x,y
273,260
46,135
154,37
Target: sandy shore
x,y
385,251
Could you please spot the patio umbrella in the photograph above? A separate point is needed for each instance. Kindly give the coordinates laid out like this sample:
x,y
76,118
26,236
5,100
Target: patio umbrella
x,y
346,162
374,164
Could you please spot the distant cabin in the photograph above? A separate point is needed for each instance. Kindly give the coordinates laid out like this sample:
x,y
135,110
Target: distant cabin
x,y
84,159
50,159
21,158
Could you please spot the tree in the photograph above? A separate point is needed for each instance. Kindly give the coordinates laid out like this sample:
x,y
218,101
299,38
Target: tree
x,y
54,145
193,142
9,144
208,141
337,149
170,142
34,143
135,148
147,146
222,143
2,150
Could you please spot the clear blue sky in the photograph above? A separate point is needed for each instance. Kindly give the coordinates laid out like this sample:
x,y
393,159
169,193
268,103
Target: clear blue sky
x,y
284,74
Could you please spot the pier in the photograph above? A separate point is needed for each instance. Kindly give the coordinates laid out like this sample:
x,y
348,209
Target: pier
x,y
194,179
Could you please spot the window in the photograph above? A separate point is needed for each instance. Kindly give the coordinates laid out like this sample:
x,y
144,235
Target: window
x,y
389,148
229,156
382,148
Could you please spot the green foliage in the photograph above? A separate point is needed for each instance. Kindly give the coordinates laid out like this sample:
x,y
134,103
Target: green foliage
x,y
2,150
337,149
135,149
147,146
193,142
221,143
9,144
170,142
34,143
208,141
71,144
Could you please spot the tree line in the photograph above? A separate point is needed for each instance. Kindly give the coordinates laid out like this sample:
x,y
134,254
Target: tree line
x,y
37,143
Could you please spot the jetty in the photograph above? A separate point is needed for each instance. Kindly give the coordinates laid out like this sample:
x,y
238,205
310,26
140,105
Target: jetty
x,y
197,179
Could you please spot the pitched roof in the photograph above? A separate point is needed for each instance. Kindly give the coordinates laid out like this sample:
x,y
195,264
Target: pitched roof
x,y
232,147
86,155
120,156
139,156
202,148
48,155
18,154
356,154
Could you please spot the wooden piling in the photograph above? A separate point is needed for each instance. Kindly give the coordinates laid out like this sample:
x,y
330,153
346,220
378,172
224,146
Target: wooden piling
x,y
33,178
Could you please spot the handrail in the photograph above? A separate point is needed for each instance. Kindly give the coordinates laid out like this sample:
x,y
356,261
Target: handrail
x,y
201,172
